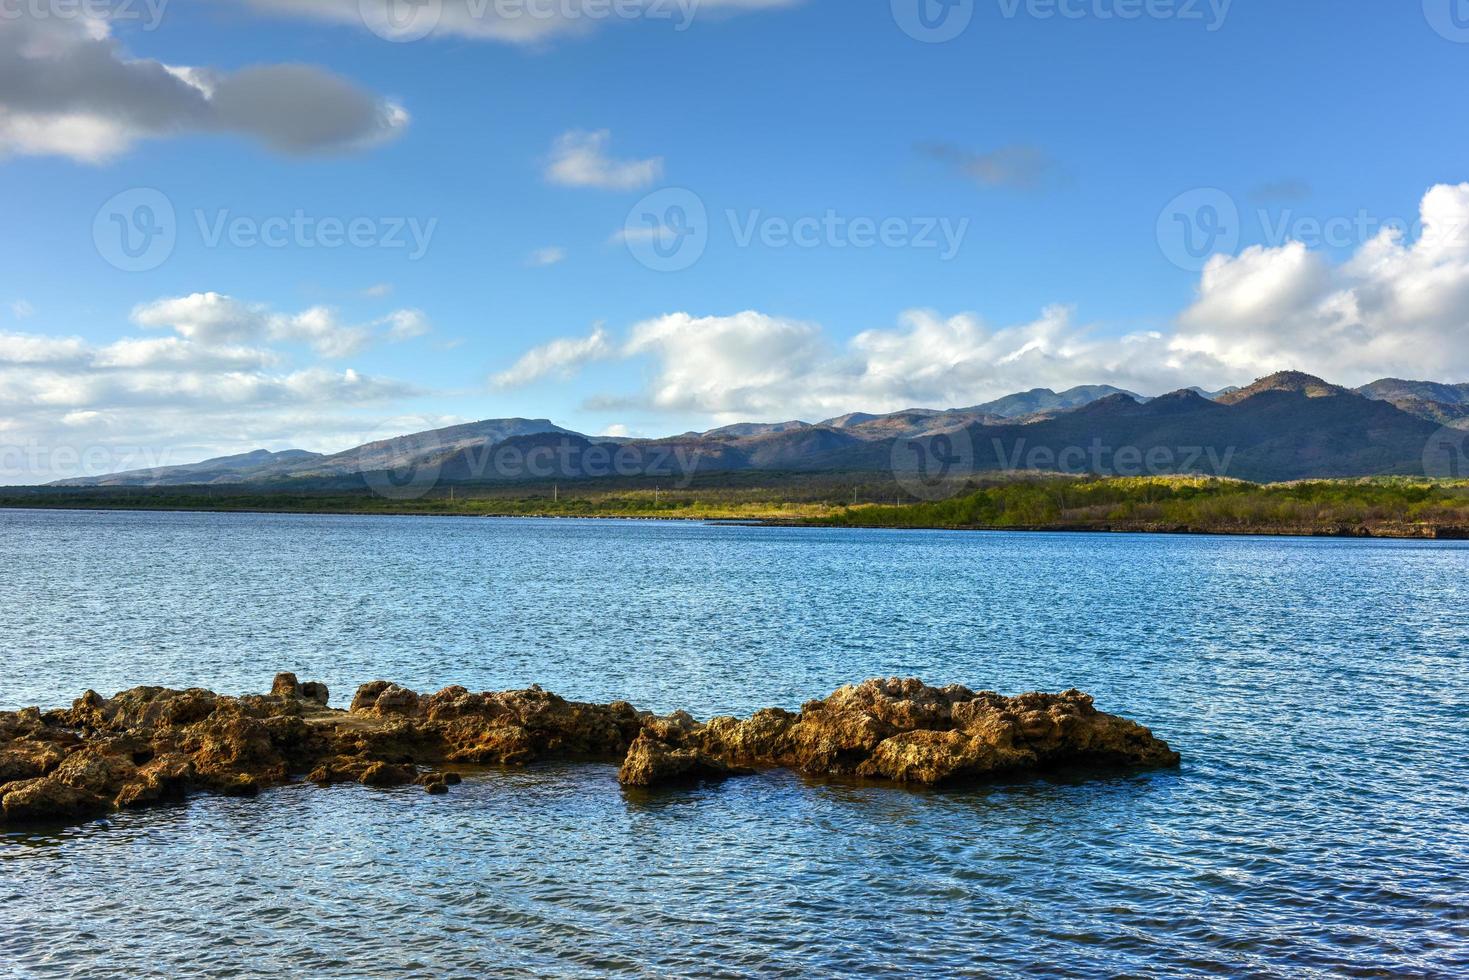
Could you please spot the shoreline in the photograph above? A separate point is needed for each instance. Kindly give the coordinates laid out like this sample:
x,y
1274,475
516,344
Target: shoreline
x,y
1390,531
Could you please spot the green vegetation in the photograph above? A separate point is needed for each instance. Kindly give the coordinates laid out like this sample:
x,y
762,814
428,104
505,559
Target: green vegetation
x,y
1388,506
1400,507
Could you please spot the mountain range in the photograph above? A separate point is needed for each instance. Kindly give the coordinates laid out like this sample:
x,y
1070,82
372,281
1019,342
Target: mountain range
x,y
1283,427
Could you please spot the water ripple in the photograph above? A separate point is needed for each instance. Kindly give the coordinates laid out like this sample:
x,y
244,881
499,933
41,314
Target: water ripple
x,y
1319,826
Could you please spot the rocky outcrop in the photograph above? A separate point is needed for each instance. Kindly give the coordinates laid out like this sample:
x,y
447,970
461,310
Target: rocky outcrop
x,y
151,745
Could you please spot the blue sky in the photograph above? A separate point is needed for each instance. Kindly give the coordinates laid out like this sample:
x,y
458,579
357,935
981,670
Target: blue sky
x,y
1049,148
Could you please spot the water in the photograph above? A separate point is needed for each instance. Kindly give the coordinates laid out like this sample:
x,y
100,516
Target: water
x,y
1319,825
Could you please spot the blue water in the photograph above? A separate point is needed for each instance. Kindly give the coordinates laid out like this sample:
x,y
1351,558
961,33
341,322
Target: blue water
x,y
1317,690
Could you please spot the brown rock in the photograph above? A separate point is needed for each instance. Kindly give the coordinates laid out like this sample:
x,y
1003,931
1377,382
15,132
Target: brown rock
x,y
316,692
285,686
382,775
653,763
49,798
150,744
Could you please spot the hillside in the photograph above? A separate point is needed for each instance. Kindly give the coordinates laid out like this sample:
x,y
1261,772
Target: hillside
x,y
1286,426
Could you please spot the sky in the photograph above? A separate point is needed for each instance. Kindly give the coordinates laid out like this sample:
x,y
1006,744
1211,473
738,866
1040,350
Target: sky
x,y
242,224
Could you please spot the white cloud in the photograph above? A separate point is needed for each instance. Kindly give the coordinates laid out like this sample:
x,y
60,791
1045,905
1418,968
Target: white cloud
x,y
579,159
1394,309
214,318
405,325
321,328
206,317
22,310
67,88
515,23
560,357
755,366
28,349
175,352
542,257
71,408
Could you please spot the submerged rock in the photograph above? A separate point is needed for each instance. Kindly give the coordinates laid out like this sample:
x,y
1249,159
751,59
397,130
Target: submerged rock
x,y
152,745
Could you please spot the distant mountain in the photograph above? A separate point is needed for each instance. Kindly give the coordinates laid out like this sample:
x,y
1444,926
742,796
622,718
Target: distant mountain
x,y
409,450
1442,403
339,469
1213,396
1390,389
1283,427
1291,381
1046,400
849,421
226,469
746,430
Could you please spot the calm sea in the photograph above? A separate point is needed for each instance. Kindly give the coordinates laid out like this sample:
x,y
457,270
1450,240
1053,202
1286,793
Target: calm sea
x,y
1317,689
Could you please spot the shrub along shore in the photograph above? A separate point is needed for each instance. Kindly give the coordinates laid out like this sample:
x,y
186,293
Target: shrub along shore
x,y
1384,507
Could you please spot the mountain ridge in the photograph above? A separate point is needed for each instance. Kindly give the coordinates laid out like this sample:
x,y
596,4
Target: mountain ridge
x,y
1286,425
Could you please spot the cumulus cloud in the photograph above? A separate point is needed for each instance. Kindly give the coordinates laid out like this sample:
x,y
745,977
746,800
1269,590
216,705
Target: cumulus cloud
x,y
214,318
560,357
1398,307
67,88
751,365
580,159
755,366
73,407
531,22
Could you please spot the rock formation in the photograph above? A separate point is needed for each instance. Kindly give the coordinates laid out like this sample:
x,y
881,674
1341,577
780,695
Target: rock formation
x,y
152,745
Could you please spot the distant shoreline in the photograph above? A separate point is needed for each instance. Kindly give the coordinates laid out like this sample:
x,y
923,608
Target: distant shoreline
x,y
1379,530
